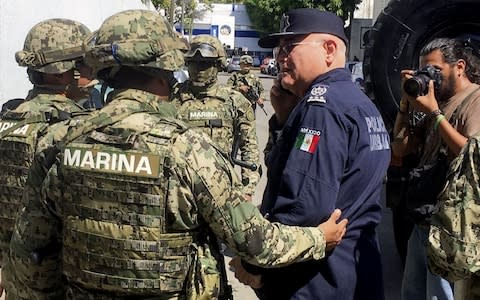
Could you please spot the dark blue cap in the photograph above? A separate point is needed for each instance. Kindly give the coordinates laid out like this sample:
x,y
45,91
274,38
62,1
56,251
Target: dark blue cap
x,y
302,21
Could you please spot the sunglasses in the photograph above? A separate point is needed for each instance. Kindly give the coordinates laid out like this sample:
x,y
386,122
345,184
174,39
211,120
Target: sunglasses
x,y
287,48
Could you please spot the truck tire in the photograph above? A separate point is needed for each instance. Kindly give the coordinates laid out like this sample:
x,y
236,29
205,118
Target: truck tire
x,y
400,31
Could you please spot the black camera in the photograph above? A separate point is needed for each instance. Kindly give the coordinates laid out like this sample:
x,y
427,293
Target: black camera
x,y
418,84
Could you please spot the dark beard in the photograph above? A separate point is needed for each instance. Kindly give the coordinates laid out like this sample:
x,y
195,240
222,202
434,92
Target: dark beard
x,y
447,89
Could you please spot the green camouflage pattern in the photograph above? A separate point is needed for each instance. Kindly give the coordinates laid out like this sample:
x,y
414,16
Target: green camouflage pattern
x,y
202,75
206,47
454,239
17,149
201,194
238,79
53,45
221,113
135,38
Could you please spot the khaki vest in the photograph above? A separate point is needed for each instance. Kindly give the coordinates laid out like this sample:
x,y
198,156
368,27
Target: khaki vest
x,y
115,233
214,115
19,133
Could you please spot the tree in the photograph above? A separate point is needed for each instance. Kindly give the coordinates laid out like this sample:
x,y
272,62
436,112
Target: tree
x,y
182,12
266,14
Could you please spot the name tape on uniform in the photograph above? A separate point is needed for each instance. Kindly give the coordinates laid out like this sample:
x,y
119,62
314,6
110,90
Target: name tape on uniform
x,y
136,164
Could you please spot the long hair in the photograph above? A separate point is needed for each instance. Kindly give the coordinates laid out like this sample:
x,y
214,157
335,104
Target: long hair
x,y
455,49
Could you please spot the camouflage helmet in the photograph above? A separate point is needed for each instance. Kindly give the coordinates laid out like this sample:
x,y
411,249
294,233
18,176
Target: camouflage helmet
x,y
139,38
53,45
208,47
246,59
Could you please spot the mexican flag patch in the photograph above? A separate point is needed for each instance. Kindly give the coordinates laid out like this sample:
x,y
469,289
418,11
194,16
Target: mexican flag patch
x,y
307,140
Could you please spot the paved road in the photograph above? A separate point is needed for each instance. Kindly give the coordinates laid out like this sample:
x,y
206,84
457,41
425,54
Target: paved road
x,y
391,261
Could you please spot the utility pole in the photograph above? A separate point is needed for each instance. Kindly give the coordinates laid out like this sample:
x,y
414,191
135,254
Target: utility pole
x,y
182,19
171,13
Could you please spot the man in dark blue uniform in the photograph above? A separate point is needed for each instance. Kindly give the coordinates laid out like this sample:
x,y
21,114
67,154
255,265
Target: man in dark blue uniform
x,y
330,150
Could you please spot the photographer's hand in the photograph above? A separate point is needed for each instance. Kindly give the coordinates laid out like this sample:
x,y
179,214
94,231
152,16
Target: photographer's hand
x,y
427,103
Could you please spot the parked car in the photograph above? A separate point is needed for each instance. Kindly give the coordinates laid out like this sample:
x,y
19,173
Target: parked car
x,y
234,65
272,68
256,61
264,65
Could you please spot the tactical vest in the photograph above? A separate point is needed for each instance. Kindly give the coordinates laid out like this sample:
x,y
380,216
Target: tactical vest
x,y
214,115
114,200
19,133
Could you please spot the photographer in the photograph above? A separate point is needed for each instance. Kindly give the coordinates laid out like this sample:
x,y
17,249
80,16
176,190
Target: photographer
x,y
444,92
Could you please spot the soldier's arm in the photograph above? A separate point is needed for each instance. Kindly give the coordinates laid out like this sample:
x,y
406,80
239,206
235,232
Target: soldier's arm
x,y
453,246
232,81
238,223
34,265
248,143
260,88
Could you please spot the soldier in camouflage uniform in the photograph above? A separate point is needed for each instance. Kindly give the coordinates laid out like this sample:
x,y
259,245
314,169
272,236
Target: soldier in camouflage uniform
x,y
218,110
137,195
247,83
453,246
51,50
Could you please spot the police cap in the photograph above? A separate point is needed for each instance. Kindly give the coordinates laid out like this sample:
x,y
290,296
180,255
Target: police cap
x,y
303,21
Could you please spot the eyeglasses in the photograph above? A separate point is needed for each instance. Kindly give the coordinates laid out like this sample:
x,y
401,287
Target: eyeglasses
x,y
287,48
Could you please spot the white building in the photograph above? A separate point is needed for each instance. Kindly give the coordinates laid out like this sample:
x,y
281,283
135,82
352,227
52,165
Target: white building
x,y
231,24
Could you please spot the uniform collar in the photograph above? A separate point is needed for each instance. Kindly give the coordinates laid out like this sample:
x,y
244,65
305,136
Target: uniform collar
x,y
339,74
135,99
52,93
189,92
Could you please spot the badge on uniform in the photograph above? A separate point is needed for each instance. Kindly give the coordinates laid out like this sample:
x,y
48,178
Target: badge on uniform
x,y
316,94
307,139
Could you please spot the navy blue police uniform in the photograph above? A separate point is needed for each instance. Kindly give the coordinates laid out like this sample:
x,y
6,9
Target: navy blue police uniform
x,y
333,152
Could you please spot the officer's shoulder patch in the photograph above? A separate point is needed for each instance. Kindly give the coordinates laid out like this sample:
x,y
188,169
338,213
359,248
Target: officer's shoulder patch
x,y
307,139
318,94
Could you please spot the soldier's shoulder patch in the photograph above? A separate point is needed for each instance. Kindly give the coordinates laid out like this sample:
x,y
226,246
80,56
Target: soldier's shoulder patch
x,y
167,128
250,115
318,94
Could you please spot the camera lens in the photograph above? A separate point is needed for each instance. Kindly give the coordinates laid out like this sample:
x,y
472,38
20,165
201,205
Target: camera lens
x,y
417,85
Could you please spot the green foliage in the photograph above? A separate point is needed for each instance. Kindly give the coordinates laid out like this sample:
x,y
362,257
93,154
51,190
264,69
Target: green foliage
x,y
178,10
266,14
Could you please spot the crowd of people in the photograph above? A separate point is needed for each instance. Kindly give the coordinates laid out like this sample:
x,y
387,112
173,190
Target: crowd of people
x,y
131,197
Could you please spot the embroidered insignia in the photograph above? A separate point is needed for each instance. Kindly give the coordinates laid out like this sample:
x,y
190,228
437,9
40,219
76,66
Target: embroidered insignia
x,y
316,94
319,90
307,140
320,99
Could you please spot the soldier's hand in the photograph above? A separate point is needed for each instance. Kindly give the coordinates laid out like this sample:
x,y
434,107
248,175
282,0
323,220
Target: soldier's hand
x,y
282,101
254,281
260,101
333,230
244,88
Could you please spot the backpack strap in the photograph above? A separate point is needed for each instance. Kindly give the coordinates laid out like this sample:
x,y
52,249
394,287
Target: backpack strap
x,y
42,117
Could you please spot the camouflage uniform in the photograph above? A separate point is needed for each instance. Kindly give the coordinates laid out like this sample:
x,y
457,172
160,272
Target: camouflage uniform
x,y
245,77
50,47
454,239
137,196
217,110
